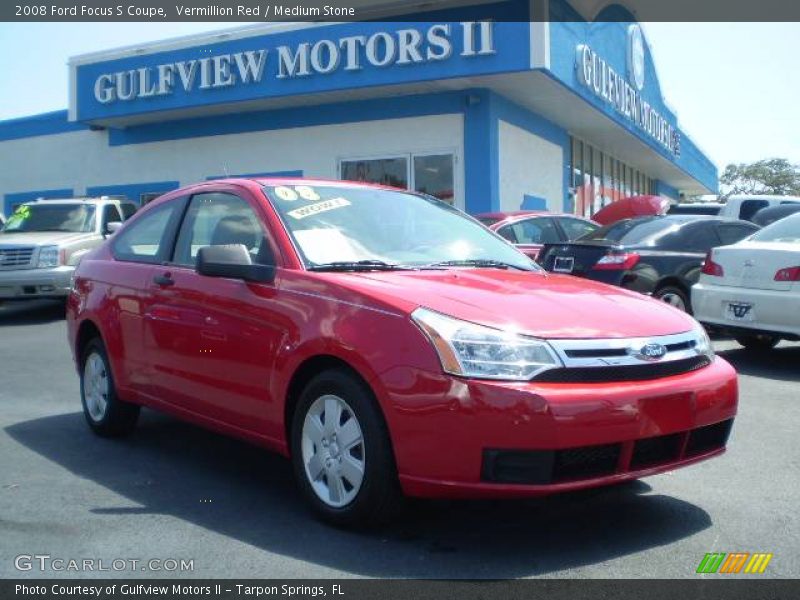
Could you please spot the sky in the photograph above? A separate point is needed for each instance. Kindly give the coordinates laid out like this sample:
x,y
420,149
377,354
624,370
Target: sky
x,y
734,86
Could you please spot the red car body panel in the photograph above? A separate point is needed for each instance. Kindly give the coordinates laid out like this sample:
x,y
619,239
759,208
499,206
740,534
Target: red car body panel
x,y
514,216
222,353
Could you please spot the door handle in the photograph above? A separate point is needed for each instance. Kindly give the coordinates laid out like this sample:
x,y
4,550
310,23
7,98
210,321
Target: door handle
x,y
164,280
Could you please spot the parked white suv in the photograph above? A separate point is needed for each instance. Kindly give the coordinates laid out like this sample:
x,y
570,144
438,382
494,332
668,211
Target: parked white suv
x,y
42,242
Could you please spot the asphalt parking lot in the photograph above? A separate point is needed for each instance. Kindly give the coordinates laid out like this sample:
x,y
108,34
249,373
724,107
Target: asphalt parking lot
x,y
175,491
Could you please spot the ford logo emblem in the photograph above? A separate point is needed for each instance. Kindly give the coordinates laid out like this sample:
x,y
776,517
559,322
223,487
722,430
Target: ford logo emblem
x,y
651,352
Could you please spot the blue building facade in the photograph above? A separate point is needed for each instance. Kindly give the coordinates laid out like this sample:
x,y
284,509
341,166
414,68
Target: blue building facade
x,y
565,114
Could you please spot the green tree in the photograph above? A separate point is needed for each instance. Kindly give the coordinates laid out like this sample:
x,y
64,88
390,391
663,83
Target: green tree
x,y
771,176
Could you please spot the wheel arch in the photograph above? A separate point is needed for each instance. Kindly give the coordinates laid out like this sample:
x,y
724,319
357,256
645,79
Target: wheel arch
x,y
305,372
87,331
673,281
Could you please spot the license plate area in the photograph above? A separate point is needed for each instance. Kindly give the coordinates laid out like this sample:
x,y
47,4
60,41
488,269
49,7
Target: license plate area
x,y
739,311
563,264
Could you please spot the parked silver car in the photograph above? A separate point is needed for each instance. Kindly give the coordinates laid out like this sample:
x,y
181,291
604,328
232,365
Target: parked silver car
x,y
43,241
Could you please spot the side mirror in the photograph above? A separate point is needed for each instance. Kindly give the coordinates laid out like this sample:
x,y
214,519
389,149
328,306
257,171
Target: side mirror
x,y
232,261
112,227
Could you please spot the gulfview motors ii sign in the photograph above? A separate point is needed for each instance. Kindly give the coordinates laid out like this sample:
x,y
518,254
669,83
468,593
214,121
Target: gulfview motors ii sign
x,y
623,94
351,53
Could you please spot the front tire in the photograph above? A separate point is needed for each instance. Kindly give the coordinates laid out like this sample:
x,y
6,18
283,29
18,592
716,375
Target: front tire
x,y
105,413
758,343
341,452
674,296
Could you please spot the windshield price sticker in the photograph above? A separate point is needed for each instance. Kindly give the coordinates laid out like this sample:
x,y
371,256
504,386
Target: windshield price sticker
x,y
307,193
23,213
285,193
313,209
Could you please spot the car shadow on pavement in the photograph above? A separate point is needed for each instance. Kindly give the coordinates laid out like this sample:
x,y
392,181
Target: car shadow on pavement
x,y
32,312
241,491
781,363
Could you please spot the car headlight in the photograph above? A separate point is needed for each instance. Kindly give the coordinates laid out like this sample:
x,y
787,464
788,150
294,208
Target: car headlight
x,y
48,257
703,345
471,350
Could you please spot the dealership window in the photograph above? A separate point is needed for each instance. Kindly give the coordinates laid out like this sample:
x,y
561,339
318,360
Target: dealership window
x,y
432,174
599,179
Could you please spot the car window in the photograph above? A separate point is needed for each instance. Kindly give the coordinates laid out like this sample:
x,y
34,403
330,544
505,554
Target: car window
x,y
575,228
128,210
146,239
786,230
730,233
632,231
220,219
488,221
693,237
531,231
332,223
111,214
751,207
43,216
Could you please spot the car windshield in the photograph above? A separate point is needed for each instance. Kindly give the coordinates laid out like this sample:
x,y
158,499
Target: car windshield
x,y
488,221
78,218
374,227
787,230
633,231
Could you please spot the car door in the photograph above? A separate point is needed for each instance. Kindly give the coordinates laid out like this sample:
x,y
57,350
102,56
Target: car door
x,y
215,338
143,243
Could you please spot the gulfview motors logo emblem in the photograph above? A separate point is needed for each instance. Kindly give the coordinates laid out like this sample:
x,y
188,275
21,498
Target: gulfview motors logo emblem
x,y
649,352
734,562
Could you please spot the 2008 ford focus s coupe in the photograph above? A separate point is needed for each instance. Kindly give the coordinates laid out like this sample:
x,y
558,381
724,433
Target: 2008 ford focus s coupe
x,y
389,345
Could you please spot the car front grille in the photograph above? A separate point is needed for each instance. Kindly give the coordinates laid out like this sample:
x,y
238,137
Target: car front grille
x,y
623,373
624,359
544,467
15,257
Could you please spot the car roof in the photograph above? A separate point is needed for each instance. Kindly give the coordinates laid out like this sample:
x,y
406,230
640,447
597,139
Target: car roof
x,y
683,219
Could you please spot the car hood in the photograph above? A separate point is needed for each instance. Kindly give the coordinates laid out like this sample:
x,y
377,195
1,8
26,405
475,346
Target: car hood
x,y
548,306
40,238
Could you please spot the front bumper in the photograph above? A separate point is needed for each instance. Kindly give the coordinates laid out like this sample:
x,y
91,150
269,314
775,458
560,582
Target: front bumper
x,y
571,435
35,283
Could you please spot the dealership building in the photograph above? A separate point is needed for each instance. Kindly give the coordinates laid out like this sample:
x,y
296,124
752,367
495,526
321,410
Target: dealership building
x,y
517,105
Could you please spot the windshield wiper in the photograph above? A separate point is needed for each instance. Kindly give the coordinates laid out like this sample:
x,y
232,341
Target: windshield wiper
x,y
358,265
481,263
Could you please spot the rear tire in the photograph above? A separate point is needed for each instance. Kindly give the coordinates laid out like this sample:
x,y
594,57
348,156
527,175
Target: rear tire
x,y
674,296
341,452
105,413
758,342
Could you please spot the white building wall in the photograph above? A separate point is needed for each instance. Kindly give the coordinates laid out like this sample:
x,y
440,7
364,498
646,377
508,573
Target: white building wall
x,y
529,165
82,159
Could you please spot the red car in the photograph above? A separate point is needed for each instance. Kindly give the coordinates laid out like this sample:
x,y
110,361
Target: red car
x,y
529,230
389,345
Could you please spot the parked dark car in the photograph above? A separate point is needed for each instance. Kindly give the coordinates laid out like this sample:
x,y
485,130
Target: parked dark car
x,y
661,256
767,216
